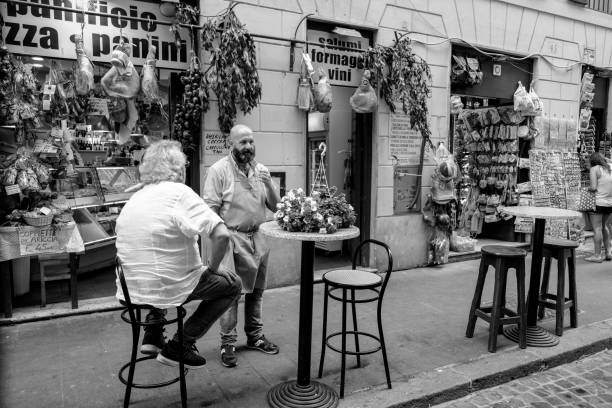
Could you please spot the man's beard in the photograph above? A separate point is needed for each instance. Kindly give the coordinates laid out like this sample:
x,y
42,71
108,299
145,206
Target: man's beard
x,y
243,157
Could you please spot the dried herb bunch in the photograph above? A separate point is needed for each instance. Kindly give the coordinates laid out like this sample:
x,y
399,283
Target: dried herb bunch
x,y
232,73
402,76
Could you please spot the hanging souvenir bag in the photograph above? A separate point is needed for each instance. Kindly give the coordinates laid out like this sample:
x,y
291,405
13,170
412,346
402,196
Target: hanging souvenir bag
x,y
459,71
587,200
305,98
364,99
474,72
522,100
537,102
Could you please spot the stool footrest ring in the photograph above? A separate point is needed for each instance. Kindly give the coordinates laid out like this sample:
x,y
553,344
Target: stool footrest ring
x,y
126,318
374,298
353,352
152,385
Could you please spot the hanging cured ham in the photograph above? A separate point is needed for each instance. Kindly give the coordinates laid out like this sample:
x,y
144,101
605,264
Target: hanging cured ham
x,y
122,79
149,86
84,73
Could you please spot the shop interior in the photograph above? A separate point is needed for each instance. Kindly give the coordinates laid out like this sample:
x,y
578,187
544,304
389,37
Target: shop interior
x,y
103,169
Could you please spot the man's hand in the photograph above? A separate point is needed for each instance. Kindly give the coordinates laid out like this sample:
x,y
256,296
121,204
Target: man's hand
x,y
230,276
264,174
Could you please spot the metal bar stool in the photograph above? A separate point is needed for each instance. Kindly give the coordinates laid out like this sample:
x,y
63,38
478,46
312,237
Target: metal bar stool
x,y
563,251
356,281
501,258
135,320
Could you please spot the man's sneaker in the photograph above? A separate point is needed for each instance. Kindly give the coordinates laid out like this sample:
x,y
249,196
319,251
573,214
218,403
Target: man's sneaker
x,y
264,345
228,355
170,356
153,342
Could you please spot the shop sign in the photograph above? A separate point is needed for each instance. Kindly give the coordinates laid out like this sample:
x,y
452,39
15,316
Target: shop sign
x,y
404,141
50,33
343,66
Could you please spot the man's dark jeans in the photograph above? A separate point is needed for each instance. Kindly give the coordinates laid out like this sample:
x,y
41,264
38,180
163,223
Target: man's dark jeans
x,y
216,294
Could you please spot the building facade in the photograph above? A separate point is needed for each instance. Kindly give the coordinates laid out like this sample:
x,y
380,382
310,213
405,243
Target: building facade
x,y
559,36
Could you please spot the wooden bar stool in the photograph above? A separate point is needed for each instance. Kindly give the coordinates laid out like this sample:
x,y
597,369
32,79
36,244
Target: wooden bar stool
x,y
563,251
59,268
501,258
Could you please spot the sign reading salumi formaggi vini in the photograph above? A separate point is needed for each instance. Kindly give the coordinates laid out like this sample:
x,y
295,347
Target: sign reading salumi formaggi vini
x,y
36,30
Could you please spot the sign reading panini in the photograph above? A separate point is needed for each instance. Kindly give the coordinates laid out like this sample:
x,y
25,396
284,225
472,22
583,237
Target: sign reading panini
x,y
343,65
41,31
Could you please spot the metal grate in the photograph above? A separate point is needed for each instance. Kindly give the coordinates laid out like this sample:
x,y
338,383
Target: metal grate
x,y
604,6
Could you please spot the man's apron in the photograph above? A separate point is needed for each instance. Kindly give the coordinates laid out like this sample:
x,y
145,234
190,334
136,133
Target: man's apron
x,y
246,212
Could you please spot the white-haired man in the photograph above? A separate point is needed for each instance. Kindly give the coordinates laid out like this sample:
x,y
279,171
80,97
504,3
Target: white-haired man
x,y
239,189
157,234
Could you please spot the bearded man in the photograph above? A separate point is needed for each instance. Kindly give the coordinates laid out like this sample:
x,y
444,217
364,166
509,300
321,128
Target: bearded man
x,y
239,189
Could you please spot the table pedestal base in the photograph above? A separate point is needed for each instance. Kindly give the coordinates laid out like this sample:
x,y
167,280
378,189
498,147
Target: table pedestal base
x,y
536,336
289,394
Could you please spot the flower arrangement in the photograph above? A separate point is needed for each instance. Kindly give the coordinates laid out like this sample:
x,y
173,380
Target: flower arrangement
x,y
323,210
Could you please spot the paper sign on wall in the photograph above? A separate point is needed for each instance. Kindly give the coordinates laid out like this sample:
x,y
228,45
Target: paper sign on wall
x,y
404,142
406,196
98,106
216,144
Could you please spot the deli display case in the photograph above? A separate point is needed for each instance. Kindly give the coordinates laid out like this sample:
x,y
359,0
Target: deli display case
x,y
96,196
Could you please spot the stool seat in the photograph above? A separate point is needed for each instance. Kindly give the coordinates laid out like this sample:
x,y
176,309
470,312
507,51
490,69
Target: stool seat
x,y
558,243
352,278
502,251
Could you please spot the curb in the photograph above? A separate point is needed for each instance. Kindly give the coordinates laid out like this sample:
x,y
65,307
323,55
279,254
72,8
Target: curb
x,y
455,381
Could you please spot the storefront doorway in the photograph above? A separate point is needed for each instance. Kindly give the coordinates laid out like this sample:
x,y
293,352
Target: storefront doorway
x,y
347,135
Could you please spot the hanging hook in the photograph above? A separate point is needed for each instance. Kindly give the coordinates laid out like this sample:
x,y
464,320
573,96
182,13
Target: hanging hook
x,y
82,22
121,42
149,28
323,148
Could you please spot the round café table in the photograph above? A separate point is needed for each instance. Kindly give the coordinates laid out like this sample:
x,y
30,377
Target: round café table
x,y
304,392
536,336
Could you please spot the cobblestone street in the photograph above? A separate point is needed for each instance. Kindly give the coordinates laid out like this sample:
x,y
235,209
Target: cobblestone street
x,y
583,383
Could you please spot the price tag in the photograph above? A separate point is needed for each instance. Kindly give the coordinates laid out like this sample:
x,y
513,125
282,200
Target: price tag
x,y
45,210
56,132
13,189
98,106
44,146
46,102
49,89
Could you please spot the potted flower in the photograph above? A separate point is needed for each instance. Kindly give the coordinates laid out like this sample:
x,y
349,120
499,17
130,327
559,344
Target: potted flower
x,y
321,212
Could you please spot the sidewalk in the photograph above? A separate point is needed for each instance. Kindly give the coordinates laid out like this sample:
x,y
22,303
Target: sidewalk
x,y
73,361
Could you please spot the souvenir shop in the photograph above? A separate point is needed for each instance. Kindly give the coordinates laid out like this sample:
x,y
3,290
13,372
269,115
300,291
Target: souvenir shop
x,y
488,141
509,152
